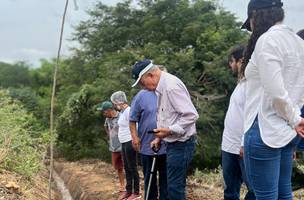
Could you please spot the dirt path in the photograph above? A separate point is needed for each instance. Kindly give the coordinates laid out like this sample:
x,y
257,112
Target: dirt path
x,y
95,180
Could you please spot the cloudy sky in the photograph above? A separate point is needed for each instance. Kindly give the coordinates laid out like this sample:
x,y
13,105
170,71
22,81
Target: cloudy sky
x,y
30,28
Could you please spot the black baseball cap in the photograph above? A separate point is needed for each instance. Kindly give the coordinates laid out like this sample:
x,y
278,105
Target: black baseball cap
x,y
140,68
257,5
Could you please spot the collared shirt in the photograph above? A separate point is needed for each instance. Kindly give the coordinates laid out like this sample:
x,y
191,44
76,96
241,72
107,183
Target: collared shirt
x,y
175,109
124,133
111,124
143,111
275,85
234,121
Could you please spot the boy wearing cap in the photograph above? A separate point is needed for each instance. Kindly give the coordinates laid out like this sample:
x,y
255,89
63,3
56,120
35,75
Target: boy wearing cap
x,y
176,117
111,128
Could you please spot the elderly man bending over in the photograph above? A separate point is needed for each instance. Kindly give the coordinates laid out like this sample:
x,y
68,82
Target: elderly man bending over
x,y
176,117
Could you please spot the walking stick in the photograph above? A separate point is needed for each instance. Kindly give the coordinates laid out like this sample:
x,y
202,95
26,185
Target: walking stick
x,y
155,150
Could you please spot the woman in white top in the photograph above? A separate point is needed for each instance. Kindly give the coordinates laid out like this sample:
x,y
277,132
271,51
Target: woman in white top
x,y
129,155
274,74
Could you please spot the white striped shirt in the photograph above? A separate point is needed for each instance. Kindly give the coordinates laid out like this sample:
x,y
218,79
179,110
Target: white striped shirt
x,y
175,109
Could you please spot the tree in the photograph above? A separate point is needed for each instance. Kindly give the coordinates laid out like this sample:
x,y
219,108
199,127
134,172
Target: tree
x,y
14,75
191,38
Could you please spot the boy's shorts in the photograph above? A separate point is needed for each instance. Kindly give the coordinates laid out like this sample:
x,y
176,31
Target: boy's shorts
x,y
117,160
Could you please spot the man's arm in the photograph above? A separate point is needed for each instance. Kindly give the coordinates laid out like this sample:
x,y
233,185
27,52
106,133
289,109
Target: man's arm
x,y
181,101
106,129
133,119
182,104
135,138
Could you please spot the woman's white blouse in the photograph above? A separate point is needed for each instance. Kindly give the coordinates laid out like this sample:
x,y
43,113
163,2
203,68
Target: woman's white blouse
x,y
275,85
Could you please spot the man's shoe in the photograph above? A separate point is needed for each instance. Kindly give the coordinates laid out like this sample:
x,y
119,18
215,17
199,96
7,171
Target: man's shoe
x,y
124,195
134,196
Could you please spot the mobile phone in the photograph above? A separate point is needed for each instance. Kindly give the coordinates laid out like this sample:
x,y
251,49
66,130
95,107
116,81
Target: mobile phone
x,y
152,132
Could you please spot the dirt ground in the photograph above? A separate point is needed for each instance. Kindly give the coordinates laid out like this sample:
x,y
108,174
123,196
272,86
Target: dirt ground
x,y
93,179
16,187
96,180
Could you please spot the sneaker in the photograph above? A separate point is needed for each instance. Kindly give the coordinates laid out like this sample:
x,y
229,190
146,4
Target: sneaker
x,y
134,196
124,195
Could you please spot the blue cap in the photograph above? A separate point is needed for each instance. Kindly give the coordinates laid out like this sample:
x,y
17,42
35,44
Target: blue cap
x,y
139,69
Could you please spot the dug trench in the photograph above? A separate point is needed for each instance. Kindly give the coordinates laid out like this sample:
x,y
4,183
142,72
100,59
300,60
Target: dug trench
x,y
88,179
96,180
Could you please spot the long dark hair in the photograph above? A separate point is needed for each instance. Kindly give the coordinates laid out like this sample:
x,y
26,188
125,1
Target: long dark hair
x,y
301,33
263,19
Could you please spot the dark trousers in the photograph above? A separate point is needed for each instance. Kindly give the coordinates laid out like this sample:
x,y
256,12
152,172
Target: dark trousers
x,y
161,169
300,146
234,175
130,165
179,156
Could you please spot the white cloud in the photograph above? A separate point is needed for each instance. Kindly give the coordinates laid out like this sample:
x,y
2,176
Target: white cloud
x,y
30,28
34,52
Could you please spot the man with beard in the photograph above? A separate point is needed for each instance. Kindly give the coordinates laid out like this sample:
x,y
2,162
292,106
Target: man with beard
x,y
232,152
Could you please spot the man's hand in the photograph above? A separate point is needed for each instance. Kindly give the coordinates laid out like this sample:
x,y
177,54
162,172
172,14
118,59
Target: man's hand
x,y
242,152
300,128
294,156
155,143
136,143
162,132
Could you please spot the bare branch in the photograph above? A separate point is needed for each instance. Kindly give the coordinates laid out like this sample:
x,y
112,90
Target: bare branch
x,y
207,97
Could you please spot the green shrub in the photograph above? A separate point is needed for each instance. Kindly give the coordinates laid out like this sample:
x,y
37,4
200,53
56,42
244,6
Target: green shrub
x,y
21,139
79,128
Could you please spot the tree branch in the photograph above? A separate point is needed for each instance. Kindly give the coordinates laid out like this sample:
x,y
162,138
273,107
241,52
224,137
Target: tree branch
x,y
207,97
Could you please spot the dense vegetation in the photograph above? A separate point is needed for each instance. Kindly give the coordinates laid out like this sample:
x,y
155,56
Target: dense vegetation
x,y
190,38
22,138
